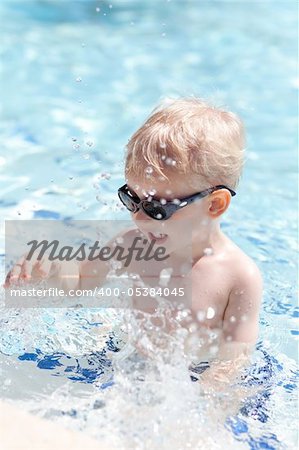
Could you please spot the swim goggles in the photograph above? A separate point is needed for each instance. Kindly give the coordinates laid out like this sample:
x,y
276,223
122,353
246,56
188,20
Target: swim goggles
x,y
161,209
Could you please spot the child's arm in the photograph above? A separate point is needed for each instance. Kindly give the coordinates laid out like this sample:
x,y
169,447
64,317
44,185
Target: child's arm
x,y
94,273
241,317
240,328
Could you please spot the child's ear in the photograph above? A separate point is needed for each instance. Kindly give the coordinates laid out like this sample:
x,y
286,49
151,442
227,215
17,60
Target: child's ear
x,y
219,202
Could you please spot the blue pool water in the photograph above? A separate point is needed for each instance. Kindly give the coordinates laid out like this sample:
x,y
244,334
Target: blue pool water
x,y
78,78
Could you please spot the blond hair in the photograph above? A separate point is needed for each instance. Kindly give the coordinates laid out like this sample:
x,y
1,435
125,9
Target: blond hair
x,y
188,136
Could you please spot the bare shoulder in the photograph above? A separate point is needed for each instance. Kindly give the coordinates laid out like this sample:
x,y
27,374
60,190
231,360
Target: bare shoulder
x,y
246,284
231,265
245,269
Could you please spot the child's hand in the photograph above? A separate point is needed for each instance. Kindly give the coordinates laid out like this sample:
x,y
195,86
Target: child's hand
x,y
60,274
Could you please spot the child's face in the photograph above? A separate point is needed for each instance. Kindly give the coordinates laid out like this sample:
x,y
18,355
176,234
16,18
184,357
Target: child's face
x,y
178,227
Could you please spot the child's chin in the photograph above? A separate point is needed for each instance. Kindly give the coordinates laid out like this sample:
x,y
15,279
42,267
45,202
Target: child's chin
x,y
171,246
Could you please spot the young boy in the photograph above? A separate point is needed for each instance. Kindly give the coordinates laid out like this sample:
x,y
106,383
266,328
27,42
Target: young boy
x,y
182,167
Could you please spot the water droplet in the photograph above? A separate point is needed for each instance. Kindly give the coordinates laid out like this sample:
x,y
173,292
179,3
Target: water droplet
x,y
98,404
210,312
232,319
244,318
110,6
185,313
98,198
149,170
89,143
105,176
170,161
159,216
193,329
176,201
78,79
213,349
163,34
76,146
201,316
165,276
71,178
98,9
163,201
208,251
74,139
152,192
86,156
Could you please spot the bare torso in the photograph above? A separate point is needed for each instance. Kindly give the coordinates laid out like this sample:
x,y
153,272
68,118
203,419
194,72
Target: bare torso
x,y
206,283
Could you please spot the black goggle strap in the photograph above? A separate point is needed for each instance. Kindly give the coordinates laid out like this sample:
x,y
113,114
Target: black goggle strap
x,y
202,194
221,186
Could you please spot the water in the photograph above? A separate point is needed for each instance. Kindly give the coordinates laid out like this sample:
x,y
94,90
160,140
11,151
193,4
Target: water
x,y
77,84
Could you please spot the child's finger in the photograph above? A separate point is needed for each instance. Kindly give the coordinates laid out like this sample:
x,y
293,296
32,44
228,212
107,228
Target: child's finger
x,y
12,275
44,267
7,280
26,270
15,273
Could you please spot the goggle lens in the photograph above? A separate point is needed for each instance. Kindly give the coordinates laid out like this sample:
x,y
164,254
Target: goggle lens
x,y
154,209
128,201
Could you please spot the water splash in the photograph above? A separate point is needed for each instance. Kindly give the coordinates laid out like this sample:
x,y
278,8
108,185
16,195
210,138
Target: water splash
x,y
144,398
